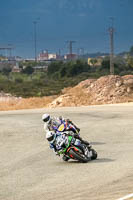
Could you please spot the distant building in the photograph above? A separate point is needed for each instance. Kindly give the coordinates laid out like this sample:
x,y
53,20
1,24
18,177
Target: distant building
x,y
44,55
7,64
70,56
16,68
40,68
3,58
29,59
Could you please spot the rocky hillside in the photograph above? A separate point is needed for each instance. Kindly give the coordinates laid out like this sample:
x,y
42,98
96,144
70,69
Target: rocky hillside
x,y
105,90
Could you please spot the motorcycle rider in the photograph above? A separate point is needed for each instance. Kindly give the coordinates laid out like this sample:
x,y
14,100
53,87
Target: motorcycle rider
x,y
52,123
56,141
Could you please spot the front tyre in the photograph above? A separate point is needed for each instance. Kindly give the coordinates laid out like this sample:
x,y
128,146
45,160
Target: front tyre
x,y
65,158
77,156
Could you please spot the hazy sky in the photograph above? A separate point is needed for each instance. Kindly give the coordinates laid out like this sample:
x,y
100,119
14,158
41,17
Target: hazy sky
x,y
58,21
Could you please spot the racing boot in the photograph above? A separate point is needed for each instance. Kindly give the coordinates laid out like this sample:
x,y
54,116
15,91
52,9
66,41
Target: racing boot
x,y
83,141
65,158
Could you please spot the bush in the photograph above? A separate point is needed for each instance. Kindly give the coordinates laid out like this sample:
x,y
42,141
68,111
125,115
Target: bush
x,y
28,70
6,71
18,80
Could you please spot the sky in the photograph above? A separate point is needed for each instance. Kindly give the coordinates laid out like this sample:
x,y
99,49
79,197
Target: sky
x,y
59,21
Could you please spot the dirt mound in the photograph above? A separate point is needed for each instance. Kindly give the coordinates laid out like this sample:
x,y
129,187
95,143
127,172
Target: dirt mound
x,y
105,90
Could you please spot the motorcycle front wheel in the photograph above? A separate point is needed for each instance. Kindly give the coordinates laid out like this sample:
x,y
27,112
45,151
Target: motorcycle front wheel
x,y
77,156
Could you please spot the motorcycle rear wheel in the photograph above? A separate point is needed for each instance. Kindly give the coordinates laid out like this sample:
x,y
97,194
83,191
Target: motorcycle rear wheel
x,y
94,154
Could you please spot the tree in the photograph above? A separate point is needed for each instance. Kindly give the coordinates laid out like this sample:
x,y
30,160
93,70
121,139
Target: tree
x,y
6,70
106,63
28,70
77,68
54,67
130,61
63,71
93,61
131,51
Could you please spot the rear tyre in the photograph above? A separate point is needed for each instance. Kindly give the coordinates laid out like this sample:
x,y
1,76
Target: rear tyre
x,y
94,154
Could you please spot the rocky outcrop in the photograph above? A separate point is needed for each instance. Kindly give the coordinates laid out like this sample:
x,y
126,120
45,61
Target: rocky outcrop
x,y
105,90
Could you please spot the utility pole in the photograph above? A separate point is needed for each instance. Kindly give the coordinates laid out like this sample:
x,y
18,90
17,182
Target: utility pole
x,y
7,49
47,54
111,33
70,47
59,54
81,51
35,43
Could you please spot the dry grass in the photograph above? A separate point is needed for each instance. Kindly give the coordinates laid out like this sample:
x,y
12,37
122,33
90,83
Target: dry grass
x,y
29,103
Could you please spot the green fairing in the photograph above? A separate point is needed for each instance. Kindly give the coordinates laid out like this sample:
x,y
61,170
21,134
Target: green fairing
x,y
69,142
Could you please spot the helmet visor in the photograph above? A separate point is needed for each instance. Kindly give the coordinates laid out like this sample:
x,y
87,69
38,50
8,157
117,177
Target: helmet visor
x,y
50,138
46,119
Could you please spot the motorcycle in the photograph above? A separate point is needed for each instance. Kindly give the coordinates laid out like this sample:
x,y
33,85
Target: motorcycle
x,y
73,148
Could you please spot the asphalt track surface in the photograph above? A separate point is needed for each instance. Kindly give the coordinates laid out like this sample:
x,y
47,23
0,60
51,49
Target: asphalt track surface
x,y
29,170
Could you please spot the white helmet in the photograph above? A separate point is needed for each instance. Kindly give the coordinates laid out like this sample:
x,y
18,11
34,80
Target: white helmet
x,y
46,118
50,136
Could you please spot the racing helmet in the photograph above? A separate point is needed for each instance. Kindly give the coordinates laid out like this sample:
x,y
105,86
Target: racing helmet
x,y
50,136
46,118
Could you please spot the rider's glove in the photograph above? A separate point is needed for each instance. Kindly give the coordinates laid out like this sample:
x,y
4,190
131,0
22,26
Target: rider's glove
x,y
57,154
68,120
60,117
76,136
78,129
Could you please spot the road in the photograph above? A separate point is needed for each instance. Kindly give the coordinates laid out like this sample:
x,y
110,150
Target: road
x,y
29,170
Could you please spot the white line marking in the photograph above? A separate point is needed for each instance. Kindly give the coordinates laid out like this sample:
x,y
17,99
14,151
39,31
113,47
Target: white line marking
x,y
126,197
